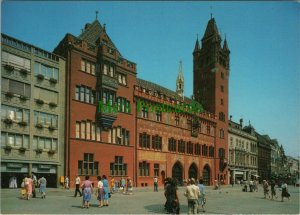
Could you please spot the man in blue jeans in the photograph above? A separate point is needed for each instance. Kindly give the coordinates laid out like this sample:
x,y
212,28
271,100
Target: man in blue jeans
x,y
192,193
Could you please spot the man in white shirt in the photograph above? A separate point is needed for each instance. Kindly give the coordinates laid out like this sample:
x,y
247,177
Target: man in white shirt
x,y
77,183
192,193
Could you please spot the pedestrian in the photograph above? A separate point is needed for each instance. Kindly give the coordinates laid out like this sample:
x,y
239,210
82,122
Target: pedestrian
x,y
112,185
122,184
155,184
100,192
13,182
266,189
201,199
23,189
232,182
43,183
67,181
34,184
285,192
273,189
171,194
106,190
192,193
28,187
129,186
87,192
77,184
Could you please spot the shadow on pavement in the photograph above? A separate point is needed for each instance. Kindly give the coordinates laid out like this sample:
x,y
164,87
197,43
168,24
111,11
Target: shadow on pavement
x,y
159,209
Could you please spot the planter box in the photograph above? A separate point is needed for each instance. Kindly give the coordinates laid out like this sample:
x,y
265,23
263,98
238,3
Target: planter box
x,y
39,126
23,98
9,67
39,151
9,94
23,71
22,123
51,128
22,149
51,152
40,77
52,105
8,121
39,101
53,80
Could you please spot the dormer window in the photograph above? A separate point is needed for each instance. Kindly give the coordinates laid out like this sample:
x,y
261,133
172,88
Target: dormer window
x,y
105,69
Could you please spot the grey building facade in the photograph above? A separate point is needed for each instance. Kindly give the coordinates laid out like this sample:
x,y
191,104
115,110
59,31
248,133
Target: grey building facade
x,y
32,112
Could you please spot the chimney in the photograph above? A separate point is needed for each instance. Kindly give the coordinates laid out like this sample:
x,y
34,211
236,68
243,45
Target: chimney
x,y
230,117
241,122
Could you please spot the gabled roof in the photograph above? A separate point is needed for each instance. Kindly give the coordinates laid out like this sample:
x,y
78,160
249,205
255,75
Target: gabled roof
x,y
92,32
157,88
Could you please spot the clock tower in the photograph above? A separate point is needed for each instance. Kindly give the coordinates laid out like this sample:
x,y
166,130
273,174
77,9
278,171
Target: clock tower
x,y
210,88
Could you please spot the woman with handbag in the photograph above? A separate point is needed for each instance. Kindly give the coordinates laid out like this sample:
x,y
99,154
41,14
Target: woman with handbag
x,y
87,192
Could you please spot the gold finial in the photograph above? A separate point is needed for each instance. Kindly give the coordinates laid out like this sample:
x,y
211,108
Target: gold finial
x,y
97,14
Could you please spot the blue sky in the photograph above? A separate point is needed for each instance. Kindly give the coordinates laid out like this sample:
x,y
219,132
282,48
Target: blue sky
x,y
263,38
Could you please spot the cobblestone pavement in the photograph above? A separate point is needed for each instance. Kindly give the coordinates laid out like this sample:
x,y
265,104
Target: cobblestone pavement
x,y
228,200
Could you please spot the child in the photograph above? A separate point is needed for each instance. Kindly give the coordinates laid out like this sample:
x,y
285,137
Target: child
x,y
23,190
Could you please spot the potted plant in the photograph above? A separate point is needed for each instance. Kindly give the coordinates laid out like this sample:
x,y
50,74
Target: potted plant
x,y
23,98
9,94
23,71
51,128
39,101
8,147
22,123
8,121
51,151
9,67
22,149
40,77
38,150
52,104
53,80
39,126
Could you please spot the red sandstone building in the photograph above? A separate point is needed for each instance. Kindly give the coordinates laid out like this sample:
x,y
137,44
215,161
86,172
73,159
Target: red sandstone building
x,y
143,141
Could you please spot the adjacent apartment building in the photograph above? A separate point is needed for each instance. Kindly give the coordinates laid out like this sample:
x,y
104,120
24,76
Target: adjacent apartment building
x,y
243,152
32,112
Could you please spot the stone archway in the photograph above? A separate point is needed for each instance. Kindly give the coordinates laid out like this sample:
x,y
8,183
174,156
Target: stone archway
x,y
177,171
193,171
206,174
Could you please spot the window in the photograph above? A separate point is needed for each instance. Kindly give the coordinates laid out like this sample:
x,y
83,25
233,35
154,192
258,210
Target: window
x,y
144,112
105,69
15,87
172,145
46,95
156,142
211,151
222,75
144,168
47,71
14,140
88,166
177,120
222,88
119,136
197,149
158,116
222,133
108,97
190,148
15,114
156,169
122,79
118,168
88,67
88,130
222,116
45,119
208,129
221,153
181,146
111,71
85,94
144,139
222,102
204,150
44,143
123,105
16,61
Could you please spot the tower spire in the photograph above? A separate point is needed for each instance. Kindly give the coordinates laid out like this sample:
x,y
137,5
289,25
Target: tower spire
x,y
97,14
197,47
180,82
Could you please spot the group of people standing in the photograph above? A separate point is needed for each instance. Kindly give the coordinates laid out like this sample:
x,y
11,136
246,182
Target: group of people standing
x,y
102,189
283,187
29,185
195,196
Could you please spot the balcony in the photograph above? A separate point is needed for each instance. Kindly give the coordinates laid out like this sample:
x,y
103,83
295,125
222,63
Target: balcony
x,y
106,115
108,82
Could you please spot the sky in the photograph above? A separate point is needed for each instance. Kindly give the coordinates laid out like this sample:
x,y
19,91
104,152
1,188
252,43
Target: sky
x,y
263,37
